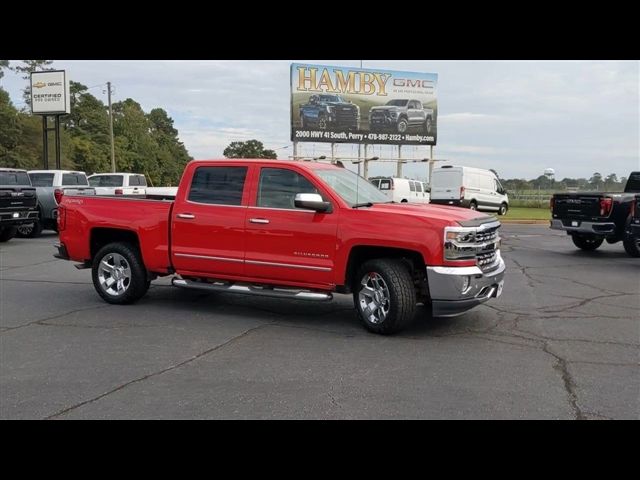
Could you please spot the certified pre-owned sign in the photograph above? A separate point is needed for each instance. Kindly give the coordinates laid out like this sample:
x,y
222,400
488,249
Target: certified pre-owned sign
x,y
355,105
50,93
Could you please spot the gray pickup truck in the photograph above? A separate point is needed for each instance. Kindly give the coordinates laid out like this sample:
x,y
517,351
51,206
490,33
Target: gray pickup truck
x,y
51,185
18,202
400,114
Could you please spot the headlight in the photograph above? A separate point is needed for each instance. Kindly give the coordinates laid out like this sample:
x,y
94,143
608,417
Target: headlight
x,y
459,243
330,109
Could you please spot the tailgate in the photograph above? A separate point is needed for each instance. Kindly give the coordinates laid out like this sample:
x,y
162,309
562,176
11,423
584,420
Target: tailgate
x,y
18,198
576,206
79,190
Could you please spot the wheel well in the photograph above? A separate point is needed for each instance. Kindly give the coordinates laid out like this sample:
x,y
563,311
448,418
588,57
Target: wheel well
x,y
401,116
103,236
412,258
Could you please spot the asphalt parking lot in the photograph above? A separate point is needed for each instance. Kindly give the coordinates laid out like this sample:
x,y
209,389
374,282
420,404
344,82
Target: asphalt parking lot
x,y
563,342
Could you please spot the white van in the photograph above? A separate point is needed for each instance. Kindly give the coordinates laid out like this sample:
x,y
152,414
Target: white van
x,y
468,187
402,190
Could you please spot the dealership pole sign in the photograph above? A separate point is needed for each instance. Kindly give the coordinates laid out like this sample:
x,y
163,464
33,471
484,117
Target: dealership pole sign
x,y
50,93
369,106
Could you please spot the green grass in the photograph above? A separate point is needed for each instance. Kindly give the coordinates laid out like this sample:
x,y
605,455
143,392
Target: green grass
x,y
523,213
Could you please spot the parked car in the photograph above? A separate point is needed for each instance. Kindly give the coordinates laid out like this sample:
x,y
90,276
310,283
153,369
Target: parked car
x,y
51,186
328,112
468,187
402,190
593,217
118,183
296,230
18,202
400,114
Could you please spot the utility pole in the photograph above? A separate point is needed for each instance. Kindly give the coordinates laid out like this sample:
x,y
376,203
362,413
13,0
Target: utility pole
x,y
113,152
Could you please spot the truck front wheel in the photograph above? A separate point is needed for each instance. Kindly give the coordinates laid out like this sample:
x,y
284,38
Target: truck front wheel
x,y
384,297
118,274
587,242
30,230
403,124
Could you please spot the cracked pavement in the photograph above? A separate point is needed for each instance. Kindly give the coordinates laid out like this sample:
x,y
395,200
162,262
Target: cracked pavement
x,y
563,342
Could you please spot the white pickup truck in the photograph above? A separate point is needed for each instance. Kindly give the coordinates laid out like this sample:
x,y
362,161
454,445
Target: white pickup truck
x,y
118,183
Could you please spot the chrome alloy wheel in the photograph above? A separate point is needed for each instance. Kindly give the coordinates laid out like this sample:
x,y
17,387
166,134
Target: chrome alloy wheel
x,y
114,274
374,298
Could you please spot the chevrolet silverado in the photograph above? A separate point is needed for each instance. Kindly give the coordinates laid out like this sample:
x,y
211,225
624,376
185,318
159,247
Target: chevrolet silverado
x,y
288,229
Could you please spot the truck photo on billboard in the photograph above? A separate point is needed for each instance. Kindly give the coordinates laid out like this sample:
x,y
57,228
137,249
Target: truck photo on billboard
x,y
356,105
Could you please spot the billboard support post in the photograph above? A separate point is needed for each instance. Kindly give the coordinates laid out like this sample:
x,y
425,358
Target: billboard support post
x,y
365,170
295,151
399,166
45,143
57,130
431,162
333,152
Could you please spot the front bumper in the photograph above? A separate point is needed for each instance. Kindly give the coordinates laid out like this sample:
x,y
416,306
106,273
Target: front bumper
x,y
449,297
578,226
18,217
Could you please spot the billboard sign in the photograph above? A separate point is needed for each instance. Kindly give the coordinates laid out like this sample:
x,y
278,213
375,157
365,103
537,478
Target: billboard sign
x,y
363,105
50,93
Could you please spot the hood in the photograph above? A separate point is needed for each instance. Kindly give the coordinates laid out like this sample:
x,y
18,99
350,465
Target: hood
x,y
339,104
385,108
443,213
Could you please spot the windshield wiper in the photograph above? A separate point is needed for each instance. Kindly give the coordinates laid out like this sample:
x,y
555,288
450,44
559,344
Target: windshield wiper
x,y
366,204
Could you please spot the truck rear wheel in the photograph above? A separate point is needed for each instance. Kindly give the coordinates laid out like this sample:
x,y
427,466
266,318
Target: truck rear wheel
x,y
384,296
30,230
118,274
587,242
7,233
632,245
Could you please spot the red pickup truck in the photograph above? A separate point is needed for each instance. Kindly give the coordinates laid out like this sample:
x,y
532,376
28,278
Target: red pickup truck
x,y
289,229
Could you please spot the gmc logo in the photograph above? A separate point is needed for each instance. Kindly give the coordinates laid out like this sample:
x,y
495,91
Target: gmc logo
x,y
573,200
17,194
406,82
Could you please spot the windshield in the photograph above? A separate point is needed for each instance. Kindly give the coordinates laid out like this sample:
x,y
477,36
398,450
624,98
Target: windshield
x,y
106,181
14,178
330,98
398,103
351,188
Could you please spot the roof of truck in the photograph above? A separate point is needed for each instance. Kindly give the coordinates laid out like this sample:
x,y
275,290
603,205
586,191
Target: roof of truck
x,y
308,164
8,169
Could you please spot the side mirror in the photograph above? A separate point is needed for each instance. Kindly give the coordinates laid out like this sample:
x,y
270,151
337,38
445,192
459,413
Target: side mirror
x,y
311,201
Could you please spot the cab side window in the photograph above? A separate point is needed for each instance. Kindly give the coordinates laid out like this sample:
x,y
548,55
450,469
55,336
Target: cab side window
x,y
278,187
218,185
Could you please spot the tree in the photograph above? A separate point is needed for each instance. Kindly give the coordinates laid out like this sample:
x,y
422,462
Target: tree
x,y
596,180
26,69
611,180
248,149
3,64
9,131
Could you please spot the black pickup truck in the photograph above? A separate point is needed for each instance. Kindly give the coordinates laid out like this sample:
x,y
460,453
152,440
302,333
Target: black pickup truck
x,y
18,202
593,217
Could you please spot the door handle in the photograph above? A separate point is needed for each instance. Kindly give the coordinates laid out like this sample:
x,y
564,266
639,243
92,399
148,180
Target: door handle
x,y
258,220
188,216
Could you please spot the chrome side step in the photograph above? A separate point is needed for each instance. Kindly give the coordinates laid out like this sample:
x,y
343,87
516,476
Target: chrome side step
x,y
276,292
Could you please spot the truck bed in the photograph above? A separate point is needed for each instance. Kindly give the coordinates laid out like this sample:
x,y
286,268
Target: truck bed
x,y
148,218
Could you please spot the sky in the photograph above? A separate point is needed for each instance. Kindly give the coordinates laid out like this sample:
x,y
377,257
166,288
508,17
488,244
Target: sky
x,y
516,117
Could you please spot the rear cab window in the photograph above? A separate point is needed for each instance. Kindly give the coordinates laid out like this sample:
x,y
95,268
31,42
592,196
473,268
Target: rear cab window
x,y
106,181
385,185
221,185
41,179
14,178
69,179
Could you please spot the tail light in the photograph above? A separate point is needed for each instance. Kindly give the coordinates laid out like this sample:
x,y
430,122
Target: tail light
x,y
633,208
57,194
605,206
119,191
551,203
62,218
461,193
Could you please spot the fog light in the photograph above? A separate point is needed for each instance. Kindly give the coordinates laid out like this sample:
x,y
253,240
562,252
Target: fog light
x,y
466,282
16,215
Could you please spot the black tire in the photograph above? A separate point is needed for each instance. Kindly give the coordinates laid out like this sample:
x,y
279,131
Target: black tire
x,y
428,125
632,245
323,123
7,233
587,243
401,295
504,208
473,205
30,230
403,125
137,284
